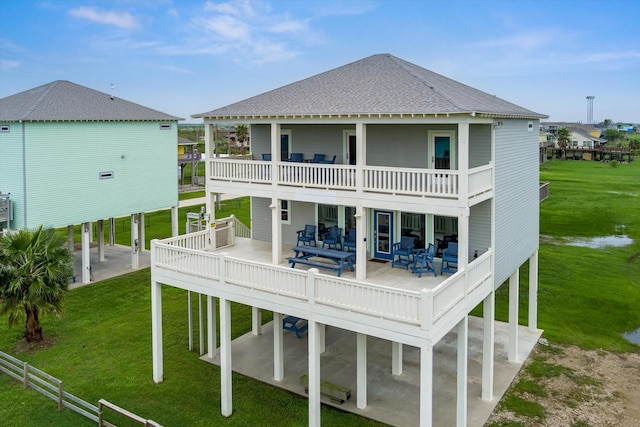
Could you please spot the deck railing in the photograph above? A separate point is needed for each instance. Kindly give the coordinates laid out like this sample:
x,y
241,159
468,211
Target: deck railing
x,y
544,191
420,182
341,177
347,294
480,180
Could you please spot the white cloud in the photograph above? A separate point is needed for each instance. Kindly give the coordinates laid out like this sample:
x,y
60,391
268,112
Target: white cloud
x,y
119,19
6,64
240,8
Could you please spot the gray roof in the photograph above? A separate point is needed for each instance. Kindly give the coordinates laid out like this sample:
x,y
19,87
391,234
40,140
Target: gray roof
x,y
379,84
62,100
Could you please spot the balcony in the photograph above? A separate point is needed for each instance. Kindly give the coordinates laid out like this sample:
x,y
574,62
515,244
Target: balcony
x,y
391,298
375,179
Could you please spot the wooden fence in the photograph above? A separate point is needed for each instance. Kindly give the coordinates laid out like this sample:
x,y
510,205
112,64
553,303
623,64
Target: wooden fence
x,y
51,387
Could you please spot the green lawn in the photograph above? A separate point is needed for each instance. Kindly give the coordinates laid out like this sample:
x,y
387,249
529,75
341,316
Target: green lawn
x,y
102,346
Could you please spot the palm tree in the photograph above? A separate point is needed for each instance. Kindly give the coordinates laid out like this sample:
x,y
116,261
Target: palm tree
x,y
35,267
564,136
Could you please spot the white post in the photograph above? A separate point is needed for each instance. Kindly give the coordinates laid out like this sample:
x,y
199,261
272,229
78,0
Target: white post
x,y
226,395
514,286
461,401
426,385
101,240
314,374
361,244
533,292
212,334
278,347
174,221
361,368
396,358
256,321
276,231
488,313
201,324
70,242
135,243
112,231
143,243
86,255
190,319
156,331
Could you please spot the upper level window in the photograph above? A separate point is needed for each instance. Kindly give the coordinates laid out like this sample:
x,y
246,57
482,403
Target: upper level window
x,y
5,128
285,212
165,126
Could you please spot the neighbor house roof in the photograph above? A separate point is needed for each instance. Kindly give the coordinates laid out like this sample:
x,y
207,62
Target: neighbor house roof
x,y
380,84
65,101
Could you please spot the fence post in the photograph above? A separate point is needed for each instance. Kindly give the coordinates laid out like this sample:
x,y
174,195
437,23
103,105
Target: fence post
x,y
60,395
100,424
25,375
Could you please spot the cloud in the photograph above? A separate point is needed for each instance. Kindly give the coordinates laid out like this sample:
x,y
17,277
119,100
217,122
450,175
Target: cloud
x,y
7,64
119,19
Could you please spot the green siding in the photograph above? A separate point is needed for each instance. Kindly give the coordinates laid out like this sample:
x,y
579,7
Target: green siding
x,y
11,170
64,160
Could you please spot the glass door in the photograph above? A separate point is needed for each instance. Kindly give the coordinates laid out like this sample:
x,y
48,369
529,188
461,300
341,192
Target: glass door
x,y
442,152
382,234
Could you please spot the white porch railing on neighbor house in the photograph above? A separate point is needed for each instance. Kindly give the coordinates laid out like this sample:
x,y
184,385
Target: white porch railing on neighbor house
x,y
377,179
422,308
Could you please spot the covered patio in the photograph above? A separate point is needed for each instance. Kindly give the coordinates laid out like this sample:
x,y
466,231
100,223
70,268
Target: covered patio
x,y
392,399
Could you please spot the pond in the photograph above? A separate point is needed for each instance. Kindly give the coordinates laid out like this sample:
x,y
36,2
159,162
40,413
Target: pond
x,y
600,242
633,336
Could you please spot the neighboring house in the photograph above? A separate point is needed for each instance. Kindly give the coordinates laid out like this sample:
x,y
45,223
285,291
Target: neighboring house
x,y
416,154
73,155
583,139
187,155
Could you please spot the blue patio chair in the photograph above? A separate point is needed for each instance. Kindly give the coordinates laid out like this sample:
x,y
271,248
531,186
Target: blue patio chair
x,y
317,158
423,261
307,235
296,157
266,157
402,252
329,162
449,257
349,240
333,238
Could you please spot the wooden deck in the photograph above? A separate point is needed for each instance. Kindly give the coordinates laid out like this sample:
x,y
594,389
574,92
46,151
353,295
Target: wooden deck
x,y
377,273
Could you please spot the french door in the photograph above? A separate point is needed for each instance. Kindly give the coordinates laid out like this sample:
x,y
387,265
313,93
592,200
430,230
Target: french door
x,y
382,234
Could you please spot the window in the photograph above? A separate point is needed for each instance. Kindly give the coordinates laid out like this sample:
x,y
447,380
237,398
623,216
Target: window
x,y
5,128
165,126
285,212
574,143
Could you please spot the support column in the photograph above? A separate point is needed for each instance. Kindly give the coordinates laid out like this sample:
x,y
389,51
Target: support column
x,y
533,292
396,358
190,319
135,243
256,321
314,374
143,243
86,255
278,347
361,368
156,331
276,231
101,240
514,286
361,242
70,239
200,325
461,401
488,345
212,335
174,221
426,385
112,231
226,394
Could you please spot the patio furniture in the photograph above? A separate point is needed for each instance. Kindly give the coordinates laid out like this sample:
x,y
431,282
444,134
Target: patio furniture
x,y
307,235
266,157
295,324
402,252
449,257
423,261
317,158
296,157
444,242
329,162
349,240
336,393
333,238
304,254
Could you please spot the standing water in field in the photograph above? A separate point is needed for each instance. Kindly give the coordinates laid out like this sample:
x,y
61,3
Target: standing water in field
x,y
600,242
633,336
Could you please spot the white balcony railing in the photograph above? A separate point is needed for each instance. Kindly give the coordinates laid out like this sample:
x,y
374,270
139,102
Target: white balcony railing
x,y
417,182
424,308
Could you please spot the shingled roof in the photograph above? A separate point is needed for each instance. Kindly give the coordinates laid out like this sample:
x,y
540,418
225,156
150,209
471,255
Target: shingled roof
x,y
379,84
62,100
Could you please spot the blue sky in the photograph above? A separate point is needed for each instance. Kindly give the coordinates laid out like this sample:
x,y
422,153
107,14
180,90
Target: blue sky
x,y
188,56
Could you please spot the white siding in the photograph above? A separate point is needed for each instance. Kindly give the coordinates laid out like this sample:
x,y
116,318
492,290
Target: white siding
x,y
516,196
480,228
11,170
261,219
479,145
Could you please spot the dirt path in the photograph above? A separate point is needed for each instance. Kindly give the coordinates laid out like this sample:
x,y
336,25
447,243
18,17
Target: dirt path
x,y
568,386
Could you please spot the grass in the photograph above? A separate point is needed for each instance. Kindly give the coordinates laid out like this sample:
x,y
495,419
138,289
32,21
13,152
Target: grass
x,y
191,195
103,350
